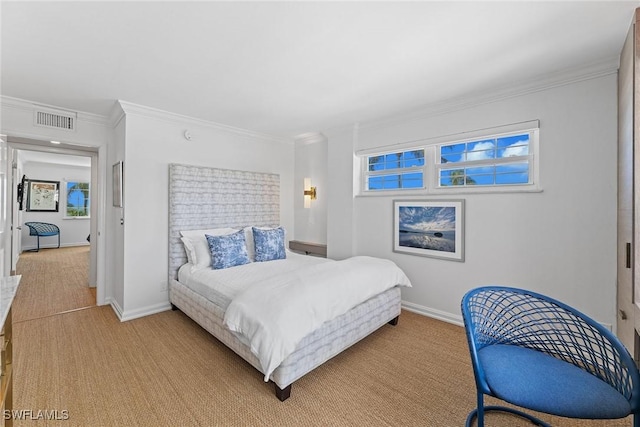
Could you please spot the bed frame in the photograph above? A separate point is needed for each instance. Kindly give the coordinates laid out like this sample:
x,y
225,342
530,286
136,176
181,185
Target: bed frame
x,y
205,198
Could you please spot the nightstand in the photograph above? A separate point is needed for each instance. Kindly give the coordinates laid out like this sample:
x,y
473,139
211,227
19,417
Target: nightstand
x,y
308,248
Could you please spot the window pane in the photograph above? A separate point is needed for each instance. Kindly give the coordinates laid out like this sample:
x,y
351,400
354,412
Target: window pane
x,y
412,180
375,183
453,148
78,200
393,161
452,153
413,158
481,150
376,163
452,177
391,182
510,146
480,179
396,181
512,178
513,167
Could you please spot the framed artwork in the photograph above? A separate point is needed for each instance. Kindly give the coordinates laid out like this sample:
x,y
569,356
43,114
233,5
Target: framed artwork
x,y
42,196
429,228
117,184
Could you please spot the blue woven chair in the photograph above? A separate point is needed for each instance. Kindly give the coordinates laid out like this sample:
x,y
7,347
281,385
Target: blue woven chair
x,y
537,353
43,229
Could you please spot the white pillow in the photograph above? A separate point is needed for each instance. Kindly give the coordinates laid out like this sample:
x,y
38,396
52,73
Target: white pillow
x,y
188,248
196,246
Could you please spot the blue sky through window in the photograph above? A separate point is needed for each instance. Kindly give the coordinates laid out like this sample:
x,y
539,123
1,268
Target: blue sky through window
x,y
77,198
487,173
401,167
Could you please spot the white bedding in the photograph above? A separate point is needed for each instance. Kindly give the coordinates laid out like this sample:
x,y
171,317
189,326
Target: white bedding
x,y
278,311
221,286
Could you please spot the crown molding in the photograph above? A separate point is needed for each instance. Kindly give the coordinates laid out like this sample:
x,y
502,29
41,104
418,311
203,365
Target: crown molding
x,y
564,77
309,138
130,108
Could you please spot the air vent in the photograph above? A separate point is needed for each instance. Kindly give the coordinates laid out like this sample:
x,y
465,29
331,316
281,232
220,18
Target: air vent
x,y
54,118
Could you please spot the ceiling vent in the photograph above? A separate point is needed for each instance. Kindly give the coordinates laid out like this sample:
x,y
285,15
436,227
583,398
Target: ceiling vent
x,y
57,119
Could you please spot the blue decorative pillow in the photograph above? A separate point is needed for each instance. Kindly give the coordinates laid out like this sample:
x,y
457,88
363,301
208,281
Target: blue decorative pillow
x,y
269,244
228,250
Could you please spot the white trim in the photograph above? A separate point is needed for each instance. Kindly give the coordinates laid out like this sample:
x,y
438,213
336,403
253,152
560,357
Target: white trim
x,y
143,311
28,248
452,138
309,138
143,111
455,319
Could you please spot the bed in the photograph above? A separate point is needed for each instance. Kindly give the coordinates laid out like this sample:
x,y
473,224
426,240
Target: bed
x,y
202,198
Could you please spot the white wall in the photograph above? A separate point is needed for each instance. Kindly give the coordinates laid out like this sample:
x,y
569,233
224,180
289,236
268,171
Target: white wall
x,y
73,232
561,242
311,162
153,140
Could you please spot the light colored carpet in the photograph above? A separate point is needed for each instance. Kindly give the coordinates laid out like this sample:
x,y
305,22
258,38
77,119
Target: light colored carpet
x,y
164,370
53,281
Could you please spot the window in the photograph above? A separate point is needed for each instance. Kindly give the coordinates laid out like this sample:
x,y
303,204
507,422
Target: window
x,y
500,159
78,197
495,161
403,169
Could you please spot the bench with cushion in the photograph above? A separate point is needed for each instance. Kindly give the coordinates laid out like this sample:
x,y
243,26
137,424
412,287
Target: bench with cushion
x,y
43,229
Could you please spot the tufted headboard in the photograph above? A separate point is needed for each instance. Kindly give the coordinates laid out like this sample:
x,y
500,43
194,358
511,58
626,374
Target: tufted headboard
x,y
204,198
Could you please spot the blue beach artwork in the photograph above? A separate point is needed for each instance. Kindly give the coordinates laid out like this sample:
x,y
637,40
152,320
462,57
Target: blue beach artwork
x,y
432,228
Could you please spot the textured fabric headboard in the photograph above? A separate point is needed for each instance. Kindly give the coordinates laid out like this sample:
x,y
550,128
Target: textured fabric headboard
x,y
205,198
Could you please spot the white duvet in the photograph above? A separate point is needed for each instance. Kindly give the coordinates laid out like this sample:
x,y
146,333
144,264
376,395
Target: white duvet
x,y
274,315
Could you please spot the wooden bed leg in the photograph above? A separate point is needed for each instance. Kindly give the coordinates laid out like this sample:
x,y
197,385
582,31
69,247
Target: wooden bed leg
x,y
394,321
283,393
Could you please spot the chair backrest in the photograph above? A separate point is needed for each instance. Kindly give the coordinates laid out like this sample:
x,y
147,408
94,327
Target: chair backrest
x,y
42,227
502,315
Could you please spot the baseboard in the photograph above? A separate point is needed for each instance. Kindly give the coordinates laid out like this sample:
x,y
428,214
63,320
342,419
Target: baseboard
x,y
456,319
140,312
115,307
54,246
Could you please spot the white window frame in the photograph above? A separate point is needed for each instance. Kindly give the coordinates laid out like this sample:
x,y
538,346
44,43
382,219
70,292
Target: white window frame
x,y
432,165
66,195
399,171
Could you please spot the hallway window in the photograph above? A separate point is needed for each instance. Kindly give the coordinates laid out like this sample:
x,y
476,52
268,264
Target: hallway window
x,y
77,198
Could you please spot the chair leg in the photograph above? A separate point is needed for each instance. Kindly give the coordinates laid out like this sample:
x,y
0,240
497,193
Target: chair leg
x,y
38,244
481,410
58,240
478,412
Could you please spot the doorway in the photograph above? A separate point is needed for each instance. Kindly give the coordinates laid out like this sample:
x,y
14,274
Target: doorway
x,y
70,167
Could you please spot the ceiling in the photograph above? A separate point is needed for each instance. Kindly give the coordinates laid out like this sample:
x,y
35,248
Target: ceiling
x,y
27,156
290,68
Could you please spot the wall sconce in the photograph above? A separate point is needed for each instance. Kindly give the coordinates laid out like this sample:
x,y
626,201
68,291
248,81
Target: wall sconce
x,y
309,193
